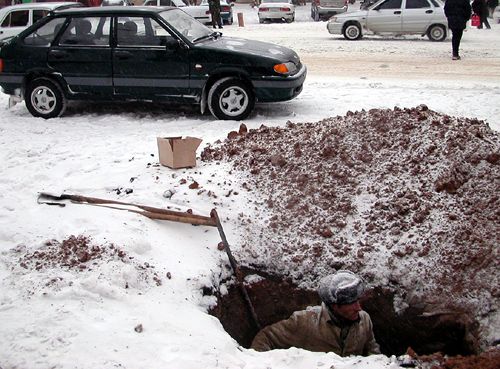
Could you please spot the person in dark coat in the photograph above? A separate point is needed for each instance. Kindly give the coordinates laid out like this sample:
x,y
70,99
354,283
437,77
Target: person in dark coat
x,y
480,8
214,8
458,12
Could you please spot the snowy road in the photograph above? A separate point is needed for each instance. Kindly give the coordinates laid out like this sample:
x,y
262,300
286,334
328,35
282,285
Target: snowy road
x,y
409,57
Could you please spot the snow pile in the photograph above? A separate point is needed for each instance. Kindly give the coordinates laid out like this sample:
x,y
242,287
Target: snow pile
x,y
75,264
406,197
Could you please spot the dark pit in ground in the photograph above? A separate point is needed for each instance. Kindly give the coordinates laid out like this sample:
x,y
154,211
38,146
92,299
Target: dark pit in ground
x,y
450,332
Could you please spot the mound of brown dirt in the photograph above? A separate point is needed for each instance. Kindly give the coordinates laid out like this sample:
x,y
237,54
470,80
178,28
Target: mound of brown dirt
x,y
78,253
406,197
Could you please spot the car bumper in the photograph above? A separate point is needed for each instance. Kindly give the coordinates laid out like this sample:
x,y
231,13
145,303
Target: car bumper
x,y
276,15
273,89
331,11
334,28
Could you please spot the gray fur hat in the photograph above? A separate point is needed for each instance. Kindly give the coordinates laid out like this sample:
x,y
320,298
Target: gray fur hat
x,y
344,287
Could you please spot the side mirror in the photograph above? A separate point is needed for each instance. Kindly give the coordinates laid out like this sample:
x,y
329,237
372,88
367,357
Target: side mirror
x,y
172,44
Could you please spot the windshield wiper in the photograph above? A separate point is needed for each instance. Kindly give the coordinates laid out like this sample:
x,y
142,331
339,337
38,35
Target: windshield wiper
x,y
213,34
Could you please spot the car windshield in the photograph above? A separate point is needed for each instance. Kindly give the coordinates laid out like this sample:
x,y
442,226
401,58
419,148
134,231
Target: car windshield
x,y
186,25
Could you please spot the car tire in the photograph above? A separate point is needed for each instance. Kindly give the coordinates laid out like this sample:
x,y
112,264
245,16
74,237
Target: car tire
x,y
230,99
44,98
436,32
352,32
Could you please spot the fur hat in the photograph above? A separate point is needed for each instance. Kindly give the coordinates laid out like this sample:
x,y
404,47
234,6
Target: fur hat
x,y
342,288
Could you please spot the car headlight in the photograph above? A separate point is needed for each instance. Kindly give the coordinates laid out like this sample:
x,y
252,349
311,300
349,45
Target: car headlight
x,y
285,68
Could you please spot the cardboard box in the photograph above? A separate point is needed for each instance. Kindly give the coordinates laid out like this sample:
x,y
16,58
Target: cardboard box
x,y
178,152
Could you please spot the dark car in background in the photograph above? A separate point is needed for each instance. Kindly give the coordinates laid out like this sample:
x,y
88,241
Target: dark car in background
x,y
143,53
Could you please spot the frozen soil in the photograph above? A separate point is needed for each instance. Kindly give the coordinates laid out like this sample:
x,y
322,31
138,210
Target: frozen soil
x,y
408,198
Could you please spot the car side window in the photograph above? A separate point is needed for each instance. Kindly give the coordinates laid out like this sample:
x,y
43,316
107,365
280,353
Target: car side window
x,y
389,4
44,35
39,14
140,31
417,4
17,18
86,31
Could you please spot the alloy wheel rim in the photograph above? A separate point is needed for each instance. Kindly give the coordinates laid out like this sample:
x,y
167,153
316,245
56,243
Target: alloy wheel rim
x,y
43,100
233,101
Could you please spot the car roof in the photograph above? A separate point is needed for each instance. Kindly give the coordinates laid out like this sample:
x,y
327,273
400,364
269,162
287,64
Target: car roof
x,y
115,9
47,5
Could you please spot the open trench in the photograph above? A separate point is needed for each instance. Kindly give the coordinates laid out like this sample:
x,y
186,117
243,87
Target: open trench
x,y
273,298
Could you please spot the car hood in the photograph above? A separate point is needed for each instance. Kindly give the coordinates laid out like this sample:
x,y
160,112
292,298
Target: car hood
x,y
252,47
357,14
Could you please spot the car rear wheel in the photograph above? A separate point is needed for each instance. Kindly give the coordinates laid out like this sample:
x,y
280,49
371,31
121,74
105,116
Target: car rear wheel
x,y
230,98
44,98
436,33
352,32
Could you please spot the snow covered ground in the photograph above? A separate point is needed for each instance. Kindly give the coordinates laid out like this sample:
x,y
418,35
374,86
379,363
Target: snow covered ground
x,y
117,315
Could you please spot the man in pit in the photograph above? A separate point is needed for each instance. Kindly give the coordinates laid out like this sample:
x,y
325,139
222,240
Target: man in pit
x,y
338,325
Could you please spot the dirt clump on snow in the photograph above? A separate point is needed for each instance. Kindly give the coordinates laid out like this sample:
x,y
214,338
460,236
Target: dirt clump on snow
x,y
489,359
408,198
73,257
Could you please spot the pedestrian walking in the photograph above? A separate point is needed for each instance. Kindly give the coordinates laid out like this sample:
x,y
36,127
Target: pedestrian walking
x,y
480,8
214,8
458,12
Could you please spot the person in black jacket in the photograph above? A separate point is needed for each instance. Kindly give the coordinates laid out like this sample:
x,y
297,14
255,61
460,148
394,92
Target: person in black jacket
x,y
480,8
458,13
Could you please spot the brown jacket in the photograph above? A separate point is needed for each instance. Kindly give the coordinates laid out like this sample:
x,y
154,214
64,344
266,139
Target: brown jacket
x,y
314,330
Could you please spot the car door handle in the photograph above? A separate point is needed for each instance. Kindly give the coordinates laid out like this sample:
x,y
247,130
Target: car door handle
x,y
397,12
123,54
58,54
429,11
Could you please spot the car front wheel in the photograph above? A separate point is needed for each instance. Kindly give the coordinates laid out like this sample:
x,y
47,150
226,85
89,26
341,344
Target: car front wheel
x,y
436,33
44,98
230,98
352,32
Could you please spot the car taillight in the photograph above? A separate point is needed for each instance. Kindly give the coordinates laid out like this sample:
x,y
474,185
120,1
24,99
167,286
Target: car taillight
x,y
225,8
207,12
284,9
263,9
1,65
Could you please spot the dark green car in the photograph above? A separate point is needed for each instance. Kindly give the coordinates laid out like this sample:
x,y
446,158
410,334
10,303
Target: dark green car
x,y
143,53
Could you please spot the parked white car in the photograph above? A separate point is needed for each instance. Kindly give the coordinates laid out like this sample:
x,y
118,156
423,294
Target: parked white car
x,y
282,10
197,12
324,9
398,17
16,18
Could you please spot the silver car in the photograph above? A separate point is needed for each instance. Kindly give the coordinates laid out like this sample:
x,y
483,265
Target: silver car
x,y
281,10
324,9
421,17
